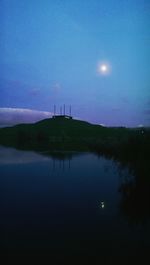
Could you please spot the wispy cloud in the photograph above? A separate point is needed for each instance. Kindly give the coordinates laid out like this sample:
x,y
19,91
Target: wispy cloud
x,y
12,84
56,87
102,124
35,92
140,125
13,116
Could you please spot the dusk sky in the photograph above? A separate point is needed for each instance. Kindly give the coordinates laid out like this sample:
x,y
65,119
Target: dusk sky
x,y
92,54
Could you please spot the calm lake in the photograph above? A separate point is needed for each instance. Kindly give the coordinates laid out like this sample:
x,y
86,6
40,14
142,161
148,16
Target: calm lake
x,y
68,208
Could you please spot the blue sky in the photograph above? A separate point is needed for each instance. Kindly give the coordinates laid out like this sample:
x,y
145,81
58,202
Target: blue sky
x,y
50,55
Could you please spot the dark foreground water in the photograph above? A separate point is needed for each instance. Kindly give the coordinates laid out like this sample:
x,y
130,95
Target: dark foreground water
x,y
71,210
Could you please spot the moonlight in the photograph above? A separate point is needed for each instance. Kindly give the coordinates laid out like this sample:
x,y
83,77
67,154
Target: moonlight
x,y
103,68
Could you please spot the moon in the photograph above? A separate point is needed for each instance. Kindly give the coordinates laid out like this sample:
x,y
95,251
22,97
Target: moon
x,y
103,68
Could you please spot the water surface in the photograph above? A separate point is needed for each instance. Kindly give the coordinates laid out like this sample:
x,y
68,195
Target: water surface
x,y
67,211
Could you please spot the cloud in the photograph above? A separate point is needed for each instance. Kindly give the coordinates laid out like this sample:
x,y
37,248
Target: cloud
x,y
140,125
56,87
35,92
12,84
102,124
13,116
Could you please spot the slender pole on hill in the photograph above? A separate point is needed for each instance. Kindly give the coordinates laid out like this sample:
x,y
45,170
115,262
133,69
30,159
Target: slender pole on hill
x,y
54,110
70,111
64,109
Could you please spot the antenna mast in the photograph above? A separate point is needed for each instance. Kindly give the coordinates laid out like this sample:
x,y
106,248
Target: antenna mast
x,y
54,110
64,109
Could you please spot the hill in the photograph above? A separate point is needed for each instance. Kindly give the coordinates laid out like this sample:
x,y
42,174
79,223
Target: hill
x,y
69,134
53,130
60,133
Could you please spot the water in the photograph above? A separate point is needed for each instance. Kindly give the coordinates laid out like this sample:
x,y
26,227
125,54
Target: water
x,y
67,211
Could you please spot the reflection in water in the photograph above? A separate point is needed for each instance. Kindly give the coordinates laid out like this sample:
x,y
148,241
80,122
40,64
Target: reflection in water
x,y
133,182
135,191
101,204
67,207
14,156
63,165
135,200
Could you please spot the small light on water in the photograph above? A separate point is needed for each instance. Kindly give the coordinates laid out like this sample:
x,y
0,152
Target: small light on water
x,y
102,205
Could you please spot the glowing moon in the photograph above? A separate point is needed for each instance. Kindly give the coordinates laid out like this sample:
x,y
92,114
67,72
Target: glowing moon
x,y
103,68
